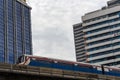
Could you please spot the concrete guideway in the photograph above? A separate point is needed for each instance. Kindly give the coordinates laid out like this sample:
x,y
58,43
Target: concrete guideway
x,y
13,72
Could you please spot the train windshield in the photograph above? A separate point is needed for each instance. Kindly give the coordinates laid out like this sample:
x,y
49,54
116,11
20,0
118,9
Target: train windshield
x,y
20,59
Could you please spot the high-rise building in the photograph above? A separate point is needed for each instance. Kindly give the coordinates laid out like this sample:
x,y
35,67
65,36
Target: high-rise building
x,y
97,38
15,30
79,42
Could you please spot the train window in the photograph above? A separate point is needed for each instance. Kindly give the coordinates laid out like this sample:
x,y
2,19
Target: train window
x,y
94,66
43,61
55,62
85,65
110,69
106,69
33,58
117,70
99,68
65,66
20,59
75,64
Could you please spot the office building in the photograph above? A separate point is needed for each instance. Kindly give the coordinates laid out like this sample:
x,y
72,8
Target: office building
x,y
15,30
97,38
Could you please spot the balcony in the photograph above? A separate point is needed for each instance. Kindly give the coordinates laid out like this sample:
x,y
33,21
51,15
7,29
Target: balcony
x,y
78,37
101,50
97,33
100,20
113,23
79,31
105,62
81,59
80,40
80,53
81,46
108,61
117,65
103,31
80,50
96,27
115,47
116,40
116,28
103,43
97,45
82,56
99,38
81,43
100,26
99,57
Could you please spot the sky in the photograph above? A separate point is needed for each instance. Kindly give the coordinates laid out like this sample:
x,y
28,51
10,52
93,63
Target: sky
x,y
52,20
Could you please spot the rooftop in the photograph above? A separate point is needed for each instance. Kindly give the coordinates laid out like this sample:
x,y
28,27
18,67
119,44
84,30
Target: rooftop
x,y
113,3
24,2
110,4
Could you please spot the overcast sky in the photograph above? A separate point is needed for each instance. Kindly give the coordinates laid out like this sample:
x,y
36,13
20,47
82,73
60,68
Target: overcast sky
x,y
52,22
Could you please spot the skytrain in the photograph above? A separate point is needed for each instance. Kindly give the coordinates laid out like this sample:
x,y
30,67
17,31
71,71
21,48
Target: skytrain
x,y
67,65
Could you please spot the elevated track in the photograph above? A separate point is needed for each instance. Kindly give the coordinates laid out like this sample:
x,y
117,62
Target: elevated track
x,y
18,72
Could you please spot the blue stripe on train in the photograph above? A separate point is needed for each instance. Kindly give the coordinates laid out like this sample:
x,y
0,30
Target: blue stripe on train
x,y
113,73
64,66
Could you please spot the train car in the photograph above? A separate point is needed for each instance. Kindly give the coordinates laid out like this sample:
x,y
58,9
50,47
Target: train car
x,y
67,65
113,71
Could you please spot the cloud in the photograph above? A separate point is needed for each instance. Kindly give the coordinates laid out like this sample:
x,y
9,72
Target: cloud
x,y
52,22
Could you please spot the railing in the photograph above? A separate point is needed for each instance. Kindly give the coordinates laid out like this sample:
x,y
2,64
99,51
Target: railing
x,y
41,71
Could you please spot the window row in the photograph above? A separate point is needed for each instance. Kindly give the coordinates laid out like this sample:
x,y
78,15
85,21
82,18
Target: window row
x,y
104,53
101,23
105,46
101,17
103,34
104,40
104,28
105,59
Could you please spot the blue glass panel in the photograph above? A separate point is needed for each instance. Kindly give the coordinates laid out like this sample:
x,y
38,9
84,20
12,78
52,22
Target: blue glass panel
x,y
1,31
27,30
19,41
10,26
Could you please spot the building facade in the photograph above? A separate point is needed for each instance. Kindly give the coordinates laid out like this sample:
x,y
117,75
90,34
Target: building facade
x,y
79,42
15,30
101,34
